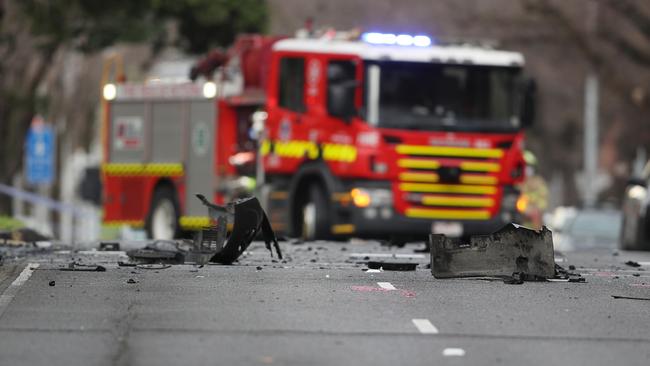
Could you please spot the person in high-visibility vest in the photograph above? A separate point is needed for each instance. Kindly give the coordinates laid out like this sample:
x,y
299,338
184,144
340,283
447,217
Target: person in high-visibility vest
x,y
534,194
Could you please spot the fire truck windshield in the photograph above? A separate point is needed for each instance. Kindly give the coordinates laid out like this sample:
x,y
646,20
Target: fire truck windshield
x,y
427,96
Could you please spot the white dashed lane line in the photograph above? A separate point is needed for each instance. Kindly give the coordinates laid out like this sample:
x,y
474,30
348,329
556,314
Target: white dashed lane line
x,y
451,352
425,326
386,285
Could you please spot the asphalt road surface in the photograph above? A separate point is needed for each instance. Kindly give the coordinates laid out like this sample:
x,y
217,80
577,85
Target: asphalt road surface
x,y
319,307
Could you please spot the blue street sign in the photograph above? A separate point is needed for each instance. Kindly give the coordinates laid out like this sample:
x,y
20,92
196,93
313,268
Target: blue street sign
x,y
39,160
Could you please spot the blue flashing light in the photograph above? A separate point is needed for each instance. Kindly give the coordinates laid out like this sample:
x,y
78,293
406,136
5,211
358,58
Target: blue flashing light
x,y
393,39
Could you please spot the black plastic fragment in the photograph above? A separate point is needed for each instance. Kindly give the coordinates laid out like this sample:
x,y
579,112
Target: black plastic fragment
x,y
631,297
249,220
633,264
392,266
77,267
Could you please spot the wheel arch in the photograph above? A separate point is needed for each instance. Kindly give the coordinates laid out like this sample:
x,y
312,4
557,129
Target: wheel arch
x,y
309,173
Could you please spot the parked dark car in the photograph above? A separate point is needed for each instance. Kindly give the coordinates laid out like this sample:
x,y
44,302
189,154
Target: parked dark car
x,y
635,230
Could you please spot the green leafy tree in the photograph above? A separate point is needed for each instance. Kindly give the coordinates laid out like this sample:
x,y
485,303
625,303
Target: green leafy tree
x,y
34,32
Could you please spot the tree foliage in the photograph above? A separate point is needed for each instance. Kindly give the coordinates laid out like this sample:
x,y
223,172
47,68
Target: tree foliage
x,y
91,25
35,33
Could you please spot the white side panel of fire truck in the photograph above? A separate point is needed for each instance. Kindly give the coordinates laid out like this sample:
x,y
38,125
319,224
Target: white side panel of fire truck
x,y
147,131
200,156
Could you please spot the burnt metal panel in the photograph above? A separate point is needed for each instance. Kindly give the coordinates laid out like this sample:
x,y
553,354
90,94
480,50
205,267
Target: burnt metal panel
x,y
167,132
200,154
512,249
127,132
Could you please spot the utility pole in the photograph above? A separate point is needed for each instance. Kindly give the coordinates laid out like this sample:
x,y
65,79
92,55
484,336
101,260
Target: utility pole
x,y
591,141
590,170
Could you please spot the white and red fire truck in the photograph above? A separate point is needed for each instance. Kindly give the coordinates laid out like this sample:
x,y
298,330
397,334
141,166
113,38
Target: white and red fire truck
x,y
379,135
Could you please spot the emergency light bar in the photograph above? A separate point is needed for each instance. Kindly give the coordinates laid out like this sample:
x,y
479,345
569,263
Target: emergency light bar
x,y
396,39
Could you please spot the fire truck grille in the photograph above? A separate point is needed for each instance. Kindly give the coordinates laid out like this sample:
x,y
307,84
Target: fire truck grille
x,y
448,183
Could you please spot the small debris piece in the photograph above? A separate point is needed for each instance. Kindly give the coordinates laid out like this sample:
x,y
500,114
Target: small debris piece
x,y
131,281
160,251
512,249
109,246
392,266
125,264
52,283
631,297
572,267
633,264
259,268
153,266
636,274
77,267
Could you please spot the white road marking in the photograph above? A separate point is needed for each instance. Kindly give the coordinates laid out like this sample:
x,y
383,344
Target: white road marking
x,y
425,326
388,255
386,285
374,271
12,290
450,352
644,263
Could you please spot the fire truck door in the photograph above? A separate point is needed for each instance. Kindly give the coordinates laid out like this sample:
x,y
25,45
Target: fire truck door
x,y
200,176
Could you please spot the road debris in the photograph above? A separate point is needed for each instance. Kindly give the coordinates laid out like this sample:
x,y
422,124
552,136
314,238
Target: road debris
x,y
160,251
52,283
214,243
78,267
631,297
131,281
153,266
109,246
249,219
513,251
392,266
633,264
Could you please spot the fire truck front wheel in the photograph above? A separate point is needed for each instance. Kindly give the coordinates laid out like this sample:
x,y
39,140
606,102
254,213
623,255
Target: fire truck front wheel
x,y
162,222
314,214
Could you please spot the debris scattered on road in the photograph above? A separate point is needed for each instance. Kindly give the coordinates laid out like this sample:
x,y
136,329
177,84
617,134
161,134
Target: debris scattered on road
x,y
125,264
563,275
513,252
392,266
109,246
259,268
52,283
633,264
160,251
153,266
131,281
631,297
78,267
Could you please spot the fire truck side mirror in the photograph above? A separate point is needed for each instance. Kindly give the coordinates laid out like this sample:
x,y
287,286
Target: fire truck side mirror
x,y
259,120
528,102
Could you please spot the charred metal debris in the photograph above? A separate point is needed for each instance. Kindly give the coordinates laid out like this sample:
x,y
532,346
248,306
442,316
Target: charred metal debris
x,y
215,243
514,253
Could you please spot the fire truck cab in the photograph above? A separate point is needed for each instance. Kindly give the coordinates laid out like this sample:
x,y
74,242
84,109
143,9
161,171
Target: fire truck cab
x,y
393,136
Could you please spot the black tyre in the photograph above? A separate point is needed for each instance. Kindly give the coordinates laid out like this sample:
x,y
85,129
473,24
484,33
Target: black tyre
x,y
162,220
315,215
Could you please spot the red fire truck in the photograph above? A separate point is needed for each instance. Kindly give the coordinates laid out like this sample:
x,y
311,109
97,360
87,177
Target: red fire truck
x,y
378,135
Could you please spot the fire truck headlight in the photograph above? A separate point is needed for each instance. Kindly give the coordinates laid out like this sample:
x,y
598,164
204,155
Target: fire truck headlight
x,y
209,89
109,91
362,197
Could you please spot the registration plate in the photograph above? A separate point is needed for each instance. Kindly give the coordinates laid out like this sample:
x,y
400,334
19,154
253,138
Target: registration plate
x,y
452,229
